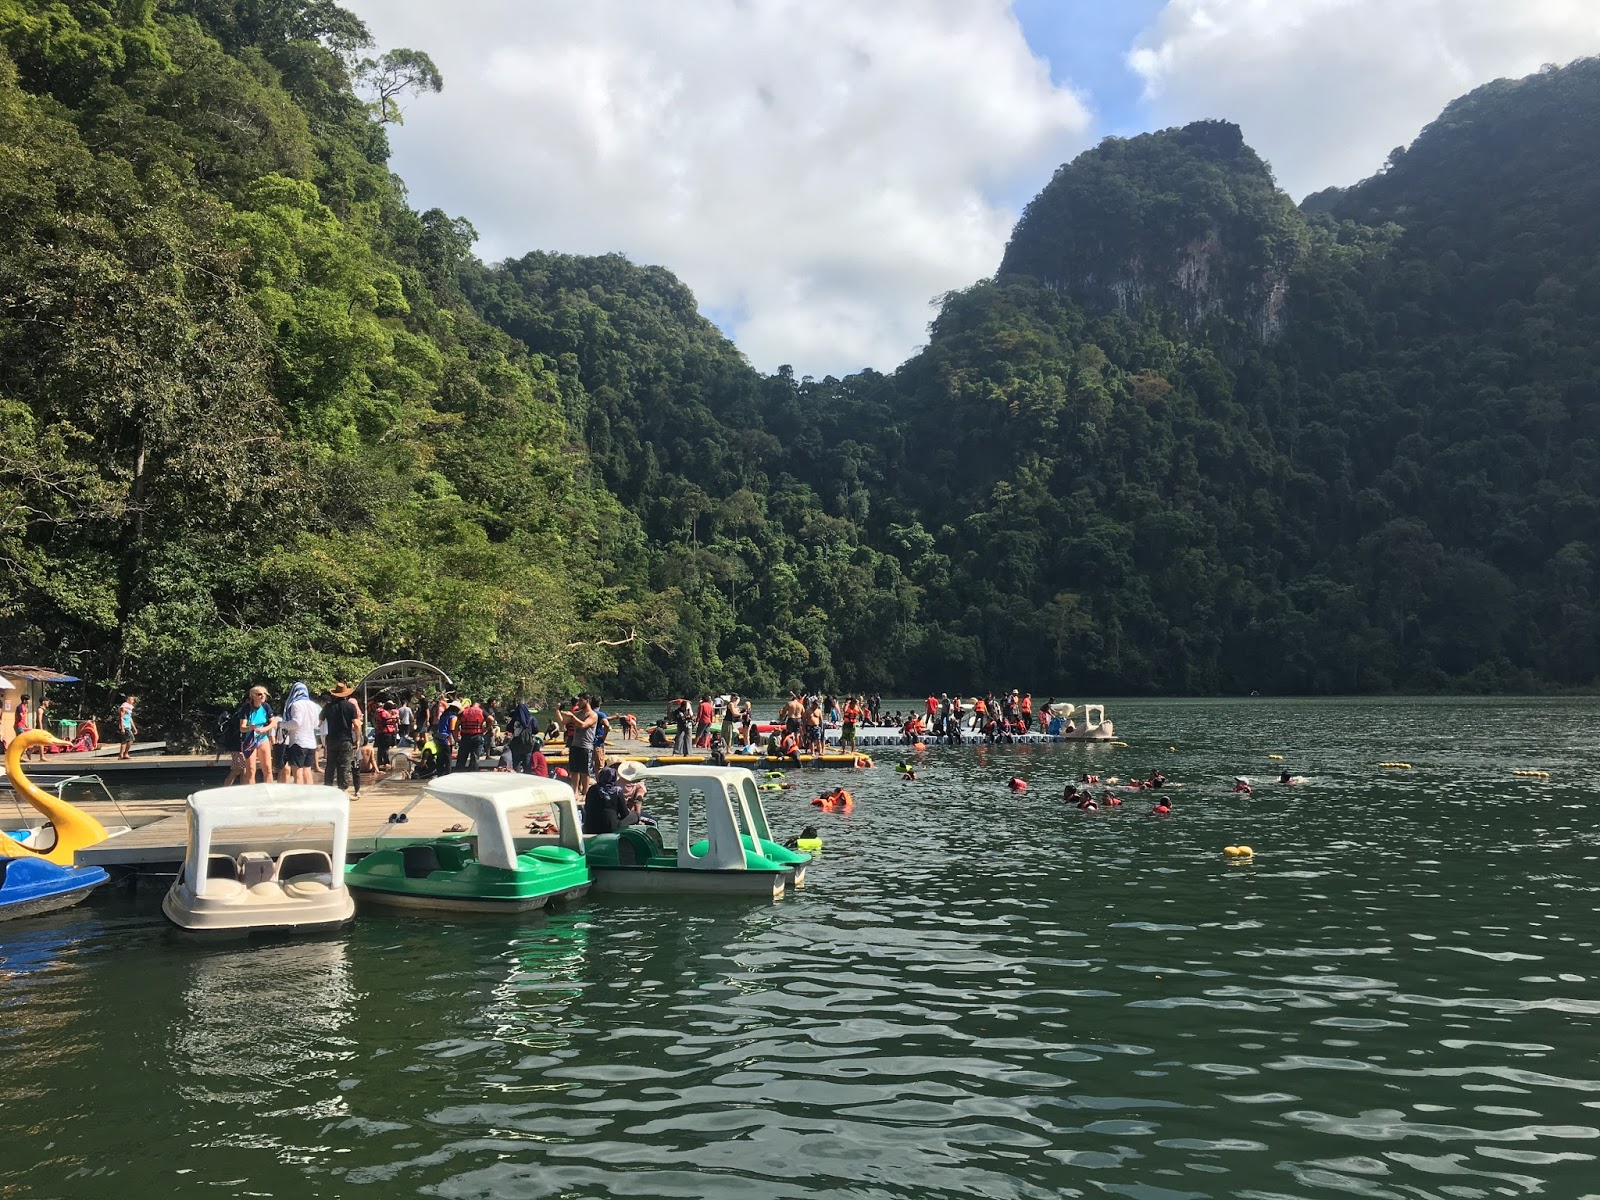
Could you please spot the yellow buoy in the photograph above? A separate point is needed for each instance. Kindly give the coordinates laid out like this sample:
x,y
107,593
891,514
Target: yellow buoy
x,y
1275,757
1245,852
1174,749
1231,851
1398,766
1119,743
1533,774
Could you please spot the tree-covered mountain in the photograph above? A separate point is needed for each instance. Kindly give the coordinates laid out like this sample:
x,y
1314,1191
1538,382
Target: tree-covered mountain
x,y
261,419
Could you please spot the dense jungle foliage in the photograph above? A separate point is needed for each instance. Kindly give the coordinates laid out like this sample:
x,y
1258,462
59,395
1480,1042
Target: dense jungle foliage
x,y
262,420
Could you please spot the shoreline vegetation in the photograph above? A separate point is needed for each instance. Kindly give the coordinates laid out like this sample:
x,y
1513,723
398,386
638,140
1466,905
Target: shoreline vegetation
x,y
261,420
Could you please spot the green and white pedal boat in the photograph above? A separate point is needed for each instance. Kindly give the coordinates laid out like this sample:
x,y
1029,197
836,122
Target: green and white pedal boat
x,y
480,870
737,855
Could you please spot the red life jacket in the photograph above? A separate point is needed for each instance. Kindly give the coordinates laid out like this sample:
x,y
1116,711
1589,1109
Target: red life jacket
x,y
472,720
387,720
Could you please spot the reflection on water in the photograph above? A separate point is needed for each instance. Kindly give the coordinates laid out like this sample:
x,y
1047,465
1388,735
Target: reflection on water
x,y
977,994
264,1025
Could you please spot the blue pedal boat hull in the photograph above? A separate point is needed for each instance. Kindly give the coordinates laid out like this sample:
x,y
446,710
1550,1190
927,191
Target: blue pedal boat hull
x,y
29,886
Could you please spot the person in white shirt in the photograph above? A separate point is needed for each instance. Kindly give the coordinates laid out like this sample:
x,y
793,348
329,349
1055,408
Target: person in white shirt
x,y
301,715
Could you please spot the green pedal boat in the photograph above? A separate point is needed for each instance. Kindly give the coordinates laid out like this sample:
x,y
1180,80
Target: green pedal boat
x,y
735,856
480,870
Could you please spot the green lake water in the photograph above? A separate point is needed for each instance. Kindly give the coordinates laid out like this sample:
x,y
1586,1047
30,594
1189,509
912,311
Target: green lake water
x,y
978,994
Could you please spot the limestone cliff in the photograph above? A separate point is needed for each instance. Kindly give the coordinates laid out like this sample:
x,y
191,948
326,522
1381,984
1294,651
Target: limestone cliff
x,y
1186,225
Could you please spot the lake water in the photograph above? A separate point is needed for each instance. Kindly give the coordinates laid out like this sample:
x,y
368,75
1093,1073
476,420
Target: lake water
x,y
977,995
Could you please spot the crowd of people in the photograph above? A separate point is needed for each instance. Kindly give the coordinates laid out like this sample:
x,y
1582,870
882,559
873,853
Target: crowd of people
x,y
803,720
330,737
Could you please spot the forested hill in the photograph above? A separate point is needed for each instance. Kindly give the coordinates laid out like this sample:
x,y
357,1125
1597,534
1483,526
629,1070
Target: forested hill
x,y
262,420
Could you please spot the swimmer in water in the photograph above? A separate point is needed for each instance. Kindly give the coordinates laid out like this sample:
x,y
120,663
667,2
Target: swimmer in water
x,y
1110,801
1069,794
1161,809
1086,803
908,773
1284,778
1241,785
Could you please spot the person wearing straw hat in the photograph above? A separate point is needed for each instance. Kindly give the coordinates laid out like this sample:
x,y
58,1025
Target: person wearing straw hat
x,y
340,715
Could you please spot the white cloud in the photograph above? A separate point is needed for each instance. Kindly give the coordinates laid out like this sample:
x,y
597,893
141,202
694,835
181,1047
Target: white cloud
x,y
1324,89
821,168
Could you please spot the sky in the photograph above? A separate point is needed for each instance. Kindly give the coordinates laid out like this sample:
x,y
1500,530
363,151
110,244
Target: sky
x,y
820,172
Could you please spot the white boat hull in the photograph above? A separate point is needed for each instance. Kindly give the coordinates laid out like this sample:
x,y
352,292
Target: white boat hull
x,y
205,916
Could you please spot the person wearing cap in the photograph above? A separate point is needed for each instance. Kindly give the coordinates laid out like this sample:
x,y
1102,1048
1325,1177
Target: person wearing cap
x,y
340,716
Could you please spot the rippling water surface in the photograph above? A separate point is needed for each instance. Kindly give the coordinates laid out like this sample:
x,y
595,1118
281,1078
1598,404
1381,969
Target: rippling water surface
x,y
977,994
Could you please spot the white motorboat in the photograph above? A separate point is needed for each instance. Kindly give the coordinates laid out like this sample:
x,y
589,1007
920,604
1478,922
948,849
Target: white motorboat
x,y
300,890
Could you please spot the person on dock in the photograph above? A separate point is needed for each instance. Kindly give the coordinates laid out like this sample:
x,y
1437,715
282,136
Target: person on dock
x,y
446,732
301,716
254,721
385,730
813,734
681,718
340,717
41,720
602,731
581,721
19,720
127,729
88,736
538,764
847,725
472,727
790,715
658,735
730,719
520,743
405,721
704,715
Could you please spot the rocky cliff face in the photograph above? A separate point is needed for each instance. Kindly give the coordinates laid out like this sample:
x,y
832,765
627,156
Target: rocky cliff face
x,y
1185,224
